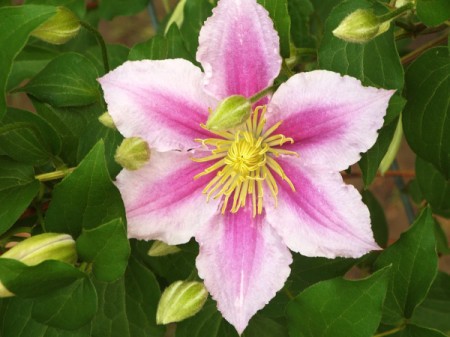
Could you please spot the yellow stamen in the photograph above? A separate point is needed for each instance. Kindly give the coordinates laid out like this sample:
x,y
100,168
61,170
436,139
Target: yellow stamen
x,y
246,162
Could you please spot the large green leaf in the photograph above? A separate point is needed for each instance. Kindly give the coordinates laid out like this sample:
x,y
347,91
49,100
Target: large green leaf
x,y
69,79
111,8
107,248
77,6
300,12
414,265
17,189
278,11
117,54
161,47
16,24
30,139
67,308
434,312
127,307
377,218
433,12
426,118
339,308
86,198
417,331
434,187
375,63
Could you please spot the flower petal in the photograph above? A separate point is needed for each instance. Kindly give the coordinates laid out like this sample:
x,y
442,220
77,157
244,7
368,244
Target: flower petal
x,y
160,101
238,49
324,217
243,263
163,201
332,118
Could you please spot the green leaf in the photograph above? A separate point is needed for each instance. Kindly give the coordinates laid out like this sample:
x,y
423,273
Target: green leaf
x,y
107,248
433,12
68,80
67,308
127,307
414,265
161,47
77,6
30,139
434,187
339,308
377,218
375,63
278,11
434,312
416,331
86,198
426,116
17,189
300,12
16,25
195,14
117,54
34,281
112,8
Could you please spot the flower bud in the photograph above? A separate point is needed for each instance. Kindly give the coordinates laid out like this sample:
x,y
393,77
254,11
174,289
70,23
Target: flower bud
x,y
107,120
392,151
133,153
39,248
360,26
230,113
60,28
401,3
160,248
180,300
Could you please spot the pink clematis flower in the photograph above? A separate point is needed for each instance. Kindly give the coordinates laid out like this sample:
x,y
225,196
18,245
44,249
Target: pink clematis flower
x,y
247,195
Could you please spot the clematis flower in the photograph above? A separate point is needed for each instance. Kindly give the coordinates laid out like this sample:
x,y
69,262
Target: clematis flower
x,y
248,194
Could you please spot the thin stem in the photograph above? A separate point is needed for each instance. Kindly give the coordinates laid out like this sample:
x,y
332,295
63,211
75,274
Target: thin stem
x,y
396,173
395,13
100,41
54,175
256,97
417,52
390,332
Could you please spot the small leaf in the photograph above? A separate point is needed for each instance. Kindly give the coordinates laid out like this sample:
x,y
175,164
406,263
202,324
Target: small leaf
x,y
67,308
414,265
107,248
426,118
17,189
433,12
86,198
16,25
339,308
68,80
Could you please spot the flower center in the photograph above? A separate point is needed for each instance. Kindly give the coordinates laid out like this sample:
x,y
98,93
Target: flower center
x,y
245,163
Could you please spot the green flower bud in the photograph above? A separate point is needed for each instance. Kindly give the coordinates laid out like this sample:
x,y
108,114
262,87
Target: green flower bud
x,y
401,3
133,153
360,26
39,248
107,120
160,248
60,28
392,151
231,112
180,300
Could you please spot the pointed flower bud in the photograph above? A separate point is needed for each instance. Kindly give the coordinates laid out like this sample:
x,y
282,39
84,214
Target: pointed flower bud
x,y
133,153
60,28
160,248
180,300
230,113
360,26
39,248
107,120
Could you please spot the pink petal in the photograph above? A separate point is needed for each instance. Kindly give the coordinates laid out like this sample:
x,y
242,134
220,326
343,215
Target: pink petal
x,y
160,101
332,118
324,217
243,263
238,49
163,201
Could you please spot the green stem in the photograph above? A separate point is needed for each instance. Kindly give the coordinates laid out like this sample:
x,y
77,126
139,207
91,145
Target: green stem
x,y
396,13
390,332
54,175
415,53
256,97
100,41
